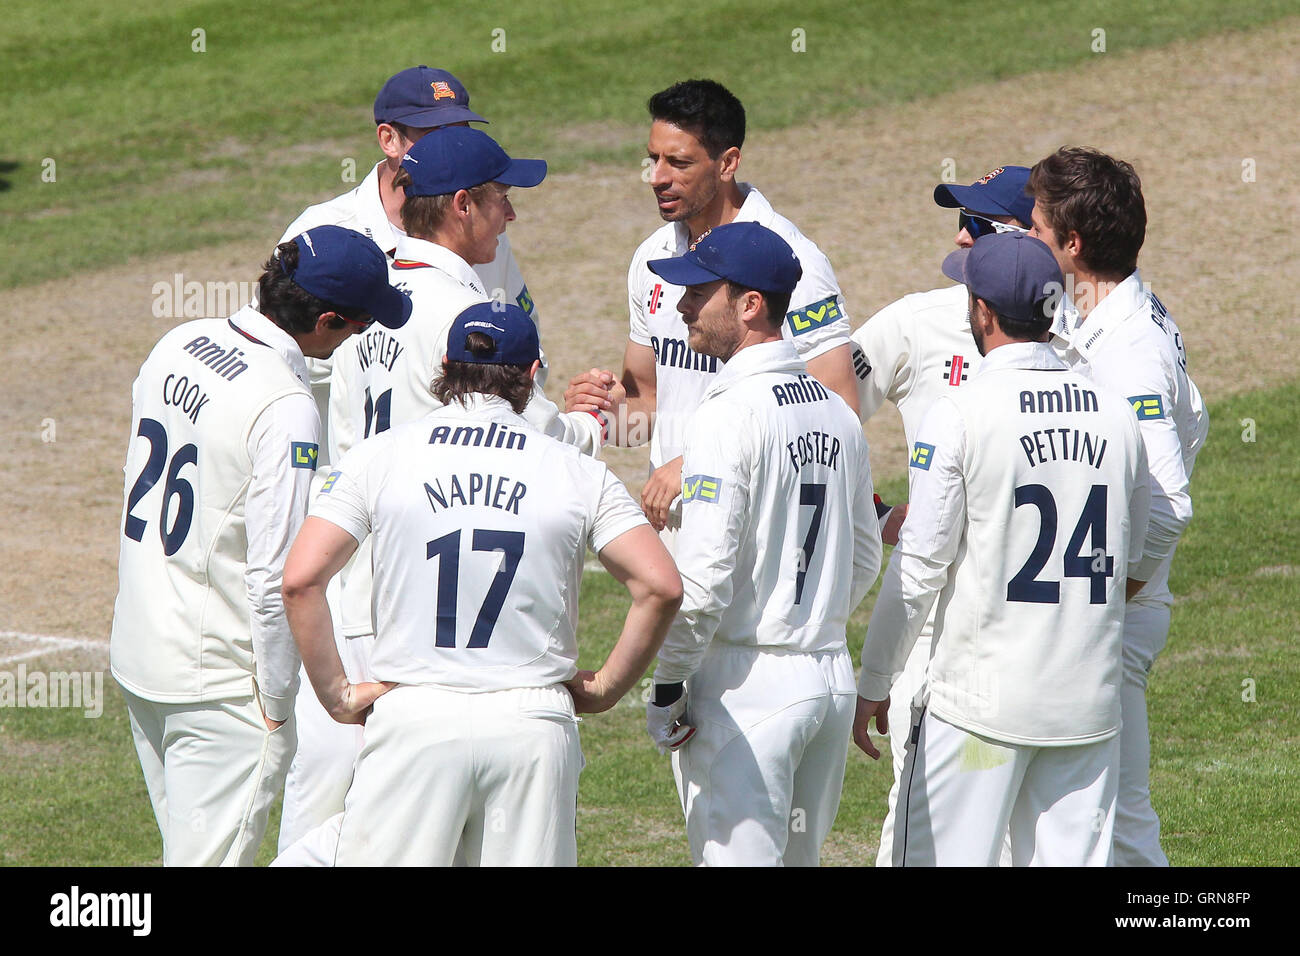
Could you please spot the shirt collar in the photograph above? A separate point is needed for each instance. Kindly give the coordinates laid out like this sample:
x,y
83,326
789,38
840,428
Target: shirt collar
x,y
1085,336
777,356
1027,355
258,328
371,217
440,258
479,405
754,208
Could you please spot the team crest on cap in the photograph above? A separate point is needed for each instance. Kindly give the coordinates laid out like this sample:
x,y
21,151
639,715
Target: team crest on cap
x,y
997,172
441,91
698,240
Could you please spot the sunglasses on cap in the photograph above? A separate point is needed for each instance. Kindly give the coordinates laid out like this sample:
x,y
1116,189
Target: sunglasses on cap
x,y
977,226
362,324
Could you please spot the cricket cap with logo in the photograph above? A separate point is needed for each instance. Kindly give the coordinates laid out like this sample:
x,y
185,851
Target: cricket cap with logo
x,y
741,252
1013,272
1000,192
345,269
461,157
424,97
511,330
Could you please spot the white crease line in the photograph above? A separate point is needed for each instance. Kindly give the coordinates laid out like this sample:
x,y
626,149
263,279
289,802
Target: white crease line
x,y
594,566
53,642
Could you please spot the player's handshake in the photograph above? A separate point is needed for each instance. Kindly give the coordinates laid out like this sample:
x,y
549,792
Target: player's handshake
x,y
594,391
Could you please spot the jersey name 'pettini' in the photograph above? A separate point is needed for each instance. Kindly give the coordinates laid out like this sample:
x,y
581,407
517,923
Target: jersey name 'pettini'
x,y
800,392
1063,444
486,491
496,435
1068,399
814,447
377,347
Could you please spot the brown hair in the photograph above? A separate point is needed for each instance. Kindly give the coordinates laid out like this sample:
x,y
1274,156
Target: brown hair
x,y
422,215
778,303
288,304
459,380
1079,189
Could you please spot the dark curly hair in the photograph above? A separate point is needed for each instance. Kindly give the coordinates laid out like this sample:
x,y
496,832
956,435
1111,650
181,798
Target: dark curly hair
x,y
287,304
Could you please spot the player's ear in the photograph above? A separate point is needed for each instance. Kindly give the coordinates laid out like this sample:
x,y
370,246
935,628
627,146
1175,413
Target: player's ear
x,y
729,162
1074,244
461,202
390,141
532,369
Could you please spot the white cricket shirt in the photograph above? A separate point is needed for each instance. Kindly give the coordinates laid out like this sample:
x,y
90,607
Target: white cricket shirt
x,y
362,210
779,539
1029,499
383,377
224,442
912,351
817,322
479,526
1130,345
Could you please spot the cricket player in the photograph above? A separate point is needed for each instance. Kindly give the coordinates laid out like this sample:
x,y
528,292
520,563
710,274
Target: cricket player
x,y
457,181
910,353
225,438
411,102
1028,509
696,133
480,524
1088,208
779,542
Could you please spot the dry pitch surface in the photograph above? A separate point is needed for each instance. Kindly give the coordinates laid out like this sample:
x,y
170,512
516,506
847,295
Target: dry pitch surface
x,y
1219,253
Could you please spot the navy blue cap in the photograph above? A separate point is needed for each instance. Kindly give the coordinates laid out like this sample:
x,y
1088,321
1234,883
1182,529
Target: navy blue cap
x,y
1013,272
743,252
1000,193
424,97
509,326
461,157
347,270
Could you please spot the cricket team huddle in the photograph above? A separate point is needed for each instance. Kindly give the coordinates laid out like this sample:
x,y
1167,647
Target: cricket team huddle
x,y
370,524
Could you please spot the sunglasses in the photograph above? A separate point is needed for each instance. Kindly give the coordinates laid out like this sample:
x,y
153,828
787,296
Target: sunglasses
x,y
357,322
977,226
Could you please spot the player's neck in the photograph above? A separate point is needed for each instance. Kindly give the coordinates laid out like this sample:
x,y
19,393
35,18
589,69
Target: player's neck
x,y
391,198
723,209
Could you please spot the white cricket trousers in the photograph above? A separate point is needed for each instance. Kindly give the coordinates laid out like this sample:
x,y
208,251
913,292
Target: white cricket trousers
x,y
760,781
961,791
496,770
213,770
1137,828
327,750
904,706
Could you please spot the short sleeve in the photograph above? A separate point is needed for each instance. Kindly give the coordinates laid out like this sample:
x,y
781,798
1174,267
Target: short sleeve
x,y
616,512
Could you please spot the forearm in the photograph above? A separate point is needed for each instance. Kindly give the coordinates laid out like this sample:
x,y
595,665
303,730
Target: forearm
x,y
643,634
632,423
313,631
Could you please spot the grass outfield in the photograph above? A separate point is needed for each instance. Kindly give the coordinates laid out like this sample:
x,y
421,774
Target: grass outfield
x,y
158,148
1225,753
